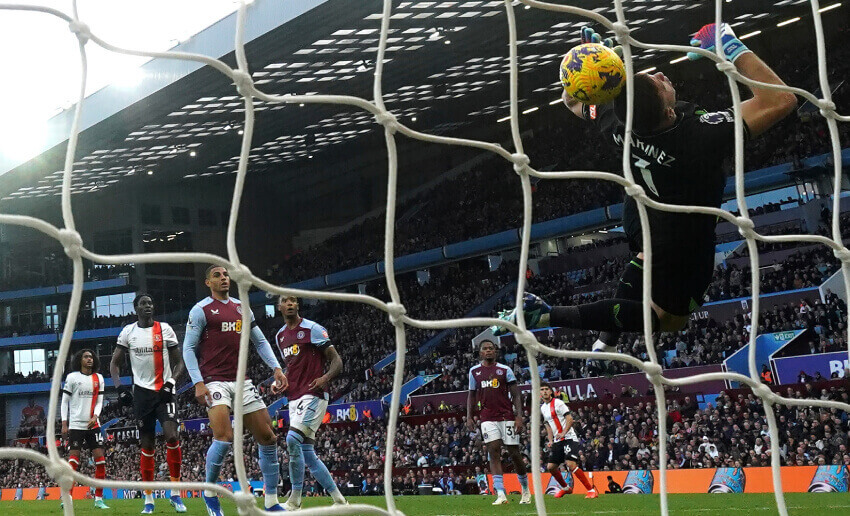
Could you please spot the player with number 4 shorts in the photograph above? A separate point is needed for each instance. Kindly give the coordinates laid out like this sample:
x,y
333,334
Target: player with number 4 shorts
x,y
494,389
306,350
677,154
211,354
156,364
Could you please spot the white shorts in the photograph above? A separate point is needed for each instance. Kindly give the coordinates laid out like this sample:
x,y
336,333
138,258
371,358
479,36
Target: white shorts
x,y
222,393
504,430
306,414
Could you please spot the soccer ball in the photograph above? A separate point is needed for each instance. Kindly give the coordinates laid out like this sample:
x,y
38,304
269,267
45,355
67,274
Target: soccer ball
x,y
593,73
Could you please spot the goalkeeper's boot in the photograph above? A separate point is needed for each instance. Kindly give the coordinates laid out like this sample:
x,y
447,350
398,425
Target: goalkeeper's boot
x,y
213,506
98,504
526,497
501,499
533,309
148,509
177,503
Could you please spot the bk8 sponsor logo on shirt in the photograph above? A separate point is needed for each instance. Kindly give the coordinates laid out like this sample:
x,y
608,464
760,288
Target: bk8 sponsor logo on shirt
x,y
232,326
292,350
493,384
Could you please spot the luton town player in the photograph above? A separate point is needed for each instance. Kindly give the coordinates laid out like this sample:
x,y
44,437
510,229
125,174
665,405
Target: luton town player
x,y
563,441
494,387
306,350
156,364
211,354
82,401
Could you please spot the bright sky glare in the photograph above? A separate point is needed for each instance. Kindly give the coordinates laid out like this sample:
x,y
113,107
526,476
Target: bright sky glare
x,y
41,58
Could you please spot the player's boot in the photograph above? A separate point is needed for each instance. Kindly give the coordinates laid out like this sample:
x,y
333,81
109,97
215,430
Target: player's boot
x,y
148,509
98,504
213,506
562,492
533,309
526,497
276,508
177,503
291,507
592,494
501,499
344,502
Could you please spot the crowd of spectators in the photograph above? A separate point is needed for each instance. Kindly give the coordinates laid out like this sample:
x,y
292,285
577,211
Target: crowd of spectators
x,y
615,432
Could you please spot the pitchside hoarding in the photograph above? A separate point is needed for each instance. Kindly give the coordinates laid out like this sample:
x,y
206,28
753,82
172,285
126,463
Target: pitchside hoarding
x,y
795,479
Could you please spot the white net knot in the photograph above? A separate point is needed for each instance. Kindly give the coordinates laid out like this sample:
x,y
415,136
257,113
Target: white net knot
x,y
527,340
71,242
621,31
245,502
521,162
81,30
241,274
726,67
244,83
396,312
653,372
843,255
63,474
827,108
388,120
764,392
635,191
745,227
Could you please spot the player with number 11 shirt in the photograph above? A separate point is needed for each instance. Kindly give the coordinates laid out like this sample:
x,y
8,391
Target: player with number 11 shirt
x,y
156,365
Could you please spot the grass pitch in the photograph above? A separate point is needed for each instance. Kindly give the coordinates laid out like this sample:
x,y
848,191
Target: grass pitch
x,y
799,504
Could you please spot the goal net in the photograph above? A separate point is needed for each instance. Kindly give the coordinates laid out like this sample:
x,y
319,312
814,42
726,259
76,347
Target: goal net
x,y
74,247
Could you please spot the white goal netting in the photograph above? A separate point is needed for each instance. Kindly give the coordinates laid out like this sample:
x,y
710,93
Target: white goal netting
x,y
74,247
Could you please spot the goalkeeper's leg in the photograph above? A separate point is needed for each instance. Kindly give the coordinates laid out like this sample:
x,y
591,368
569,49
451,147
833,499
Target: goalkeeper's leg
x,y
629,287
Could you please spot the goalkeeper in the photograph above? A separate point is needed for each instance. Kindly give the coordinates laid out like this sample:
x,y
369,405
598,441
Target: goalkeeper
x,y
677,155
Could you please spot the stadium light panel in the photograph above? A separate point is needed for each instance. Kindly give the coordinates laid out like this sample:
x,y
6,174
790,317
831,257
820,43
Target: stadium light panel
x,y
788,22
829,7
648,70
751,34
503,119
556,101
678,60
530,110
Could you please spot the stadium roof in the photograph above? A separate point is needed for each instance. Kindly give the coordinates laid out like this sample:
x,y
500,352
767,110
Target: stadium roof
x,y
446,69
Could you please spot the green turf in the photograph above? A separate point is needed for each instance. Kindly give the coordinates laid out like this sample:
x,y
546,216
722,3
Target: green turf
x,y
799,504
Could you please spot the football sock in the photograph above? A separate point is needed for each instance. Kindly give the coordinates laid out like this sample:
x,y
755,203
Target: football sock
x,y
215,458
174,458
147,466
74,461
523,481
579,474
320,472
100,474
559,478
607,315
498,484
296,465
271,472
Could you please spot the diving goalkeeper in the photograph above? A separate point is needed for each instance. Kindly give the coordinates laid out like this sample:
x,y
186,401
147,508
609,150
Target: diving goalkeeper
x,y
677,153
